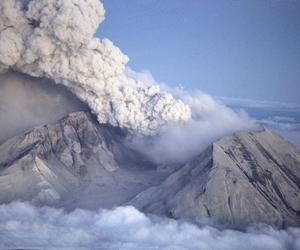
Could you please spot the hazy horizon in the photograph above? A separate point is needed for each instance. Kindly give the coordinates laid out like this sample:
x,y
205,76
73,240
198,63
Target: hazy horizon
x,y
240,49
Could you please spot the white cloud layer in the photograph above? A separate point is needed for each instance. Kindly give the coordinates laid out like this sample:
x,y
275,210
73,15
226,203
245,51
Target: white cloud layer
x,y
288,127
250,103
279,124
25,226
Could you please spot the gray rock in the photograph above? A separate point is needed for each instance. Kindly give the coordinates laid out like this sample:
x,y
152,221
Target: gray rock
x,y
249,177
239,180
73,163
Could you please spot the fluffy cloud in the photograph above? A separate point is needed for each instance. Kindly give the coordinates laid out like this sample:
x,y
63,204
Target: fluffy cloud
x,y
25,226
54,39
180,142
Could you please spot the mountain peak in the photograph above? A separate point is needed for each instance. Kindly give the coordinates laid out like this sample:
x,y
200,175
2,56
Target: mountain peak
x,y
76,162
237,181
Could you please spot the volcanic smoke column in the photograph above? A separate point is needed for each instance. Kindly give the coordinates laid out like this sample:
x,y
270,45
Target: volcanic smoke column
x,y
54,39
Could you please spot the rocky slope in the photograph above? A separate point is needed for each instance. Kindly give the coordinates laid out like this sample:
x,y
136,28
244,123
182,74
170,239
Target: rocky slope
x,y
242,179
73,163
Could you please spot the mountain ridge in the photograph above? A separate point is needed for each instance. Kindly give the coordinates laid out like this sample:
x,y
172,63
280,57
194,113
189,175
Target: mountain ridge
x,y
235,186
245,178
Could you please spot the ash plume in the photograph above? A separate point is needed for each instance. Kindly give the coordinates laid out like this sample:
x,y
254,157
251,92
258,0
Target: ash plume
x,y
54,39
180,142
27,102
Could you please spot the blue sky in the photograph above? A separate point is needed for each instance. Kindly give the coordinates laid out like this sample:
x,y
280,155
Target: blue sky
x,y
234,48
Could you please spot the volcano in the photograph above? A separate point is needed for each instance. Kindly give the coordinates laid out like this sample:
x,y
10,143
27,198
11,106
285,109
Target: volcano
x,y
79,163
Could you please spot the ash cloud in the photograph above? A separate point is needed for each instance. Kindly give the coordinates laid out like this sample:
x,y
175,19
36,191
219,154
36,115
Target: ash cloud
x,y
25,226
26,102
54,39
178,143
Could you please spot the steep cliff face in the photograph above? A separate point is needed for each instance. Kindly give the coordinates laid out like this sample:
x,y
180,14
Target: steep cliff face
x,y
239,180
72,163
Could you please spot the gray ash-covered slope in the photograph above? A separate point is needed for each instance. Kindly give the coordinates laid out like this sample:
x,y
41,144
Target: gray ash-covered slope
x,y
73,163
241,179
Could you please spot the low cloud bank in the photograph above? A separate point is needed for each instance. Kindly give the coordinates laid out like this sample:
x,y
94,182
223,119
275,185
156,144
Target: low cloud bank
x,y
282,123
258,104
25,226
288,127
283,118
